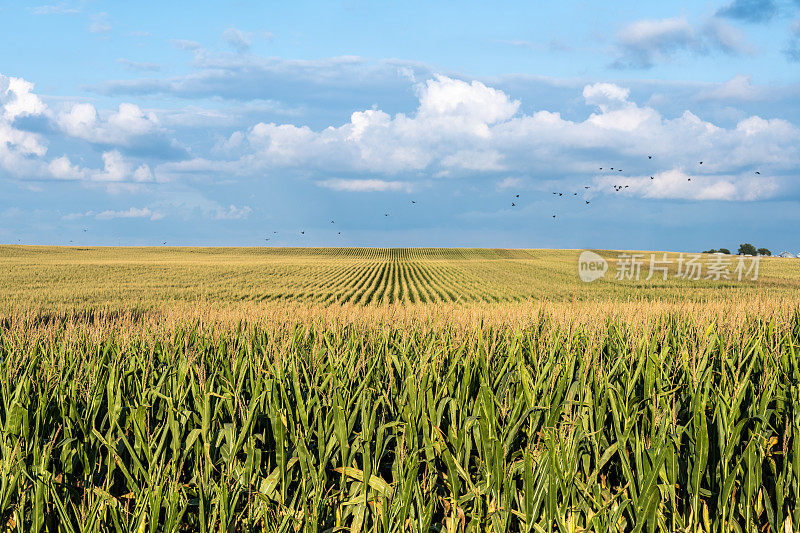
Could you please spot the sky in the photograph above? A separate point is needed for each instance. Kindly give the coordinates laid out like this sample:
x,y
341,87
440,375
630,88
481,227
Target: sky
x,y
400,124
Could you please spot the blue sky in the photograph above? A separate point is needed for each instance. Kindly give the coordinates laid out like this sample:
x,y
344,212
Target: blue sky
x,y
234,123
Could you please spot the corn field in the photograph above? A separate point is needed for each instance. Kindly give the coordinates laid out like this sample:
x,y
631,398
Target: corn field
x,y
64,278
669,425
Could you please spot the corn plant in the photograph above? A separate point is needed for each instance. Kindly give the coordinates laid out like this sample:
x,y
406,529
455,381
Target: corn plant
x,y
670,426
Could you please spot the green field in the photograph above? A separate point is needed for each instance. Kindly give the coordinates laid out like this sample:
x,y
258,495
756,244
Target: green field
x,y
392,390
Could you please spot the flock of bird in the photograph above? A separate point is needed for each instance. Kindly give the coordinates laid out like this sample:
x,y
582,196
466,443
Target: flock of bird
x,y
616,188
514,202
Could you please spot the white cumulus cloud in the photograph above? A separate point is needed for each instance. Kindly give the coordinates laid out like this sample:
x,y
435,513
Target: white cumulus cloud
x,y
20,150
63,169
117,169
121,127
467,127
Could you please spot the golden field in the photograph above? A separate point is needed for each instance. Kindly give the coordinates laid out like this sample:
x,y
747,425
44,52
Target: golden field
x,y
148,278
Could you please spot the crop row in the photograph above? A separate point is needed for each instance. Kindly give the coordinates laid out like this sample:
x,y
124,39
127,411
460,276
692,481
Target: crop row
x,y
151,278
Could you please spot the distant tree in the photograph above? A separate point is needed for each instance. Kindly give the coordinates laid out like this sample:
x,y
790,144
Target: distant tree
x,y
747,249
724,251
711,251
764,251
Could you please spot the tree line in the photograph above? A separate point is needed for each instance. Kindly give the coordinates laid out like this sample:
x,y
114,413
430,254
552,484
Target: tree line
x,y
744,249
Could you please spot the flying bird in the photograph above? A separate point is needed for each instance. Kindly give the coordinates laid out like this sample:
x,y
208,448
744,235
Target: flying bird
x,y
757,172
413,202
554,216
587,202
701,162
513,204
302,233
518,194
649,157
651,177
331,221
386,214
586,187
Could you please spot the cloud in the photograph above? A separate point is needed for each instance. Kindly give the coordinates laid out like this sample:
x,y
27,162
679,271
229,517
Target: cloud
x,y
184,44
449,111
100,23
233,213
61,8
605,95
128,123
239,40
480,160
62,168
133,212
792,49
117,169
23,152
174,170
20,150
469,106
726,38
646,42
135,131
186,202
366,185
750,10
138,66
509,183
468,128
17,98
322,83
458,129
739,88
